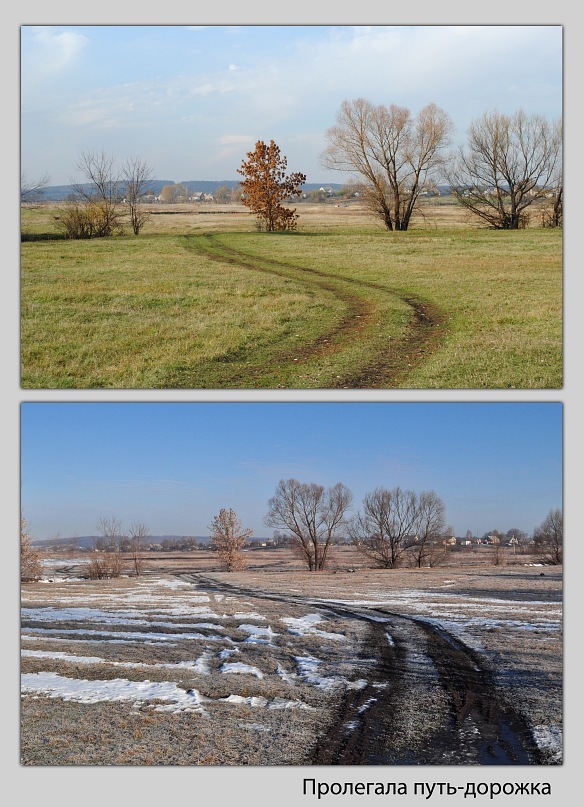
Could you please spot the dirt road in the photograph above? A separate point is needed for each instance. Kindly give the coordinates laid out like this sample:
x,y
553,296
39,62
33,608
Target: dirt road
x,y
423,677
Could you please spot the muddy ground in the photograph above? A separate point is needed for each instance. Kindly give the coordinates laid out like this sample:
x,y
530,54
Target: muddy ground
x,y
187,665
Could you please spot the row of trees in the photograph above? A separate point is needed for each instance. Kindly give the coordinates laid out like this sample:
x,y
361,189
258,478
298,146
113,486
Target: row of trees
x,y
311,519
390,522
509,162
391,525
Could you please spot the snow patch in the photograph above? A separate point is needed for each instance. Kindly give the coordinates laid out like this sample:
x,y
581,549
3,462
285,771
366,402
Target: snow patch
x,y
306,625
240,667
117,689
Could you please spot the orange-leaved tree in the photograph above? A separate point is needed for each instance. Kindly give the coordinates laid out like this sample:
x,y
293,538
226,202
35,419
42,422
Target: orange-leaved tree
x,y
266,185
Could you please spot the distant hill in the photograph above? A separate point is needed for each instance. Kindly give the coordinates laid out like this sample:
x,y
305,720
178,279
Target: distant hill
x,y
85,541
88,541
57,193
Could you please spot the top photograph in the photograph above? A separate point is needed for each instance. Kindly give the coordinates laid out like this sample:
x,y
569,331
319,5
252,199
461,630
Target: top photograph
x,y
291,207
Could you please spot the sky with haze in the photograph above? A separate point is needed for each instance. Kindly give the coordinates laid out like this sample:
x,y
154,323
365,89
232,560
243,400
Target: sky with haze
x,y
175,465
192,100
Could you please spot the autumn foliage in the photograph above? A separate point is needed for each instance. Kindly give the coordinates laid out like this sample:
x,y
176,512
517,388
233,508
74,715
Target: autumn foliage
x,y
265,186
228,538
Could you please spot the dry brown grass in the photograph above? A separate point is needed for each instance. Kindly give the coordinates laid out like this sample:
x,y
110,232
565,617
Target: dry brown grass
x,y
510,615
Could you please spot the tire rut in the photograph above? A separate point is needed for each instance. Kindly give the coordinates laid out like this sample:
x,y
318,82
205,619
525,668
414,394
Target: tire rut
x,y
472,723
422,337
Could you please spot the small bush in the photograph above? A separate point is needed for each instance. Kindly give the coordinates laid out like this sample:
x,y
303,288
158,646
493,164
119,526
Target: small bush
x,y
30,561
105,567
82,220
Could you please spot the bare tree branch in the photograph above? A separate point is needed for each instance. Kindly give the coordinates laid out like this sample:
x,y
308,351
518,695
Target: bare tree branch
x,y
393,154
313,517
509,163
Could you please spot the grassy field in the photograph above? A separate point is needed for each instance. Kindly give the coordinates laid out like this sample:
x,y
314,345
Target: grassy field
x,y
188,665
201,300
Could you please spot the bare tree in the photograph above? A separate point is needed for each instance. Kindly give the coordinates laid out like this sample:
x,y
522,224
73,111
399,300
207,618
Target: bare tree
x,y
95,209
385,526
509,163
136,174
393,154
437,552
498,554
110,529
266,185
228,538
549,538
137,534
553,212
30,559
429,528
110,564
102,188
32,191
312,516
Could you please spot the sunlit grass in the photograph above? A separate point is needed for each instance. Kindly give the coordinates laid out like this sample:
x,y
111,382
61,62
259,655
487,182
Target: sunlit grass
x,y
203,301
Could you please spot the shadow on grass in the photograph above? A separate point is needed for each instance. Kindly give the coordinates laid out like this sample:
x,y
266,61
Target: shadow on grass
x,y
42,237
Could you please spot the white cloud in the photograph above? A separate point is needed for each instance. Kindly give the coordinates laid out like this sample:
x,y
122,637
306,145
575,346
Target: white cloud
x,y
58,50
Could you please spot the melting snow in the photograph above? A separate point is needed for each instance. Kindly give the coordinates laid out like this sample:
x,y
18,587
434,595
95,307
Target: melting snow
x,y
286,676
126,636
258,635
549,738
239,667
308,666
306,625
118,689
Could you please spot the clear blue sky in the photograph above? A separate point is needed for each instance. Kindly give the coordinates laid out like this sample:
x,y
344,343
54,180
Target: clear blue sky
x,y
174,465
192,100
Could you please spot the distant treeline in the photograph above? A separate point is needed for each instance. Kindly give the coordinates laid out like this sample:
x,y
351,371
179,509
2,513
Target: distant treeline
x,y
58,193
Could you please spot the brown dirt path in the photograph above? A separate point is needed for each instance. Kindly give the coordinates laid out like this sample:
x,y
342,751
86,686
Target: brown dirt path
x,y
422,337
471,723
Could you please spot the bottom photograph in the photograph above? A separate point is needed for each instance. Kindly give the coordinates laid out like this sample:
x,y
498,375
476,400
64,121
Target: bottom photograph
x,y
346,583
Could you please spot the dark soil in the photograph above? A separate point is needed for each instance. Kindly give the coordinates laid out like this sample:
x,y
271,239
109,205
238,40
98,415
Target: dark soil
x,y
471,722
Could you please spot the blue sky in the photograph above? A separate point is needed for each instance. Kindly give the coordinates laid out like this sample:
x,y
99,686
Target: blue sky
x,y
192,100
174,465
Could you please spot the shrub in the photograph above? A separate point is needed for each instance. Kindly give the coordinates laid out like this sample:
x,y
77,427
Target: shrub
x,y
82,219
105,566
30,560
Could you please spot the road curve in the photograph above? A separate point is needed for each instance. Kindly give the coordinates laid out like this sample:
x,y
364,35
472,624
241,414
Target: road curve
x,y
469,723
422,336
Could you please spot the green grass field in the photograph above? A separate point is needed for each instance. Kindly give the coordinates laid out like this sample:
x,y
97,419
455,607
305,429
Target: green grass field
x,y
203,301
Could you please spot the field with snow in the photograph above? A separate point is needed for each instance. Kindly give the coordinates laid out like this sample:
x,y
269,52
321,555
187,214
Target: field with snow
x,y
191,666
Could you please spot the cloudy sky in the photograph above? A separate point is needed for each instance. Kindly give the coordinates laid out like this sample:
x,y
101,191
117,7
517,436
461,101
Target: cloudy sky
x,y
175,465
192,100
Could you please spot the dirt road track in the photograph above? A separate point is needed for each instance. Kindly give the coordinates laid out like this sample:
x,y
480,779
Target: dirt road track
x,y
422,336
418,663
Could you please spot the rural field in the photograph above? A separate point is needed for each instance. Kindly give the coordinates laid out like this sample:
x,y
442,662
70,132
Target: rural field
x,y
187,665
201,300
